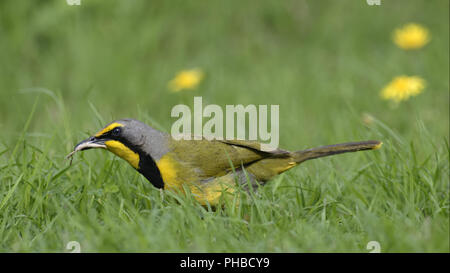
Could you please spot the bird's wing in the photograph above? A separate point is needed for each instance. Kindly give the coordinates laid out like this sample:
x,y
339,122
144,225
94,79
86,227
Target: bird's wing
x,y
256,146
204,159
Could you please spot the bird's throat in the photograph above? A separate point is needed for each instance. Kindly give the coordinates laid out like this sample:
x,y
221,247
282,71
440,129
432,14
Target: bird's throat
x,y
119,149
141,161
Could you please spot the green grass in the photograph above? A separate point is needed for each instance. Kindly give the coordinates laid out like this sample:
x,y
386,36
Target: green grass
x,y
66,71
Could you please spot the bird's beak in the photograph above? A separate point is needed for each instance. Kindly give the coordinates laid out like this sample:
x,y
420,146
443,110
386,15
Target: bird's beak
x,y
89,143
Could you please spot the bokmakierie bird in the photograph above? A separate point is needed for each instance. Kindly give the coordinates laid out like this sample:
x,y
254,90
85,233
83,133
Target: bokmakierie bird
x,y
208,168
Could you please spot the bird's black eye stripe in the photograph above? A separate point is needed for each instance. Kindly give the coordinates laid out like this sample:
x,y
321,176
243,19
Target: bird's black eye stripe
x,y
116,131
113,133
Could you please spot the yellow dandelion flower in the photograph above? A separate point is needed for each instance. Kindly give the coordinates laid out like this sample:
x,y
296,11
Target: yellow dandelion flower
x,y
411,36
186,79
403,87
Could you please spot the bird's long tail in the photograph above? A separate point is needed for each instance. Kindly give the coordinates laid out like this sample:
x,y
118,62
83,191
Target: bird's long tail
x,y
304,155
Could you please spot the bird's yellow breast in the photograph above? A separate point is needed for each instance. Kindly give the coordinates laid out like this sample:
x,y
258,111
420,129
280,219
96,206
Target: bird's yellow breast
x,y
176,177
167,168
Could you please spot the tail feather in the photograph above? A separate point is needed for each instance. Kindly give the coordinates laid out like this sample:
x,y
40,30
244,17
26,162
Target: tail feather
x,y
322,151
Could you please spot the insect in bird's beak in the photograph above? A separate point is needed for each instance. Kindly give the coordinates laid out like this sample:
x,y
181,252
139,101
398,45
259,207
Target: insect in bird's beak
x,y
86,144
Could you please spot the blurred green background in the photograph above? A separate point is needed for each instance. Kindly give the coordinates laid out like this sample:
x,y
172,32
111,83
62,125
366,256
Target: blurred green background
x,y
318,60
323,62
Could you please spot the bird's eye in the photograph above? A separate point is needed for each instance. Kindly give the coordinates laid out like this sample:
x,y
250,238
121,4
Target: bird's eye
x,y
116,131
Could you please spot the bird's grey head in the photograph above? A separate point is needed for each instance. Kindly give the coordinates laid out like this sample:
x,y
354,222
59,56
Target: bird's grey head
x,y
137,143
130,132
122,135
